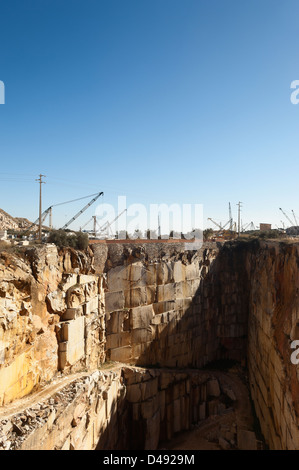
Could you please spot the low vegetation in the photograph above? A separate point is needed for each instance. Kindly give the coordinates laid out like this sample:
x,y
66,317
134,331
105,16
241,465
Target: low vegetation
x,y
62,239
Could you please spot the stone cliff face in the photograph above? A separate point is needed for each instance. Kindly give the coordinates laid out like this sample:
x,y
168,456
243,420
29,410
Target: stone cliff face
x,y
239,302
273,324
64,313
177,310
49,313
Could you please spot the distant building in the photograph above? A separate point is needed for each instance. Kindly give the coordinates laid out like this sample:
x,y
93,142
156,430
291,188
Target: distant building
x,y
265,227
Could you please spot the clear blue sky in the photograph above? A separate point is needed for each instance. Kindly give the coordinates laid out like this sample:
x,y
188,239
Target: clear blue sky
x,y
164,101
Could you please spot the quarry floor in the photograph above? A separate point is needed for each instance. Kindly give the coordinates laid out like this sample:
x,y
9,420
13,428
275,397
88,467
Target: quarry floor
x,y
232,430
47,390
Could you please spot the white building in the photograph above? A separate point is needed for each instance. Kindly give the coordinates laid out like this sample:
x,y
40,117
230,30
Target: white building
x,y
3,234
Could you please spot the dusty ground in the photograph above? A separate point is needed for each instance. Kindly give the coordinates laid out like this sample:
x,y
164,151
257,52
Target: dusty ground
x,y
232,430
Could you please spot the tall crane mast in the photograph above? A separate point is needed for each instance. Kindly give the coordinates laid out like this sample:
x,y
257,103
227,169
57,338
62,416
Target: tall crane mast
x,y
286,216
43,217
295,218
82,210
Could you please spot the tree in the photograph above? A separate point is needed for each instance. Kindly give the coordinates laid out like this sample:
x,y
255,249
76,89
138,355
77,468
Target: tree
x,y
60,238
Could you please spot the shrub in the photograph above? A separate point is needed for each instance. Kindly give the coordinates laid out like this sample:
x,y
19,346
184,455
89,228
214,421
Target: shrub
x,y
208,233
62,239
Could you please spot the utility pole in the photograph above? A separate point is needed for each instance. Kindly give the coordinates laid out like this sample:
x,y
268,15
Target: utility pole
x,y
94,225
239,212
40,180
230,217
50,218
159,228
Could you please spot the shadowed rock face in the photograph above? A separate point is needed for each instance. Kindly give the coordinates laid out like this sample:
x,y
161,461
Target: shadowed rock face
x,y
238,301
179,309
273,325
149,305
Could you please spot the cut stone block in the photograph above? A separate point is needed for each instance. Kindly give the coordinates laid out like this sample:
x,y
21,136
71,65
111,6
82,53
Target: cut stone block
x,y
118,279
178,271
114,301
137,275
123,354
166,292
72,313
142,335
135,297
72,348
141,317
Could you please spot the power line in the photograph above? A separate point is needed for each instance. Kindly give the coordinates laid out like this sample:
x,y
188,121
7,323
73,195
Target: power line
x,y
74,200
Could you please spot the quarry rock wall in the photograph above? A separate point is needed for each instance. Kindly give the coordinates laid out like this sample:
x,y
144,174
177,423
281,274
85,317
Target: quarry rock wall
x,y
51,318
181,309
66,312
237,302
273,325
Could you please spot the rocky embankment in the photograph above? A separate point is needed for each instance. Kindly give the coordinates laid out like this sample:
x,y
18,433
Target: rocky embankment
x,y
51,317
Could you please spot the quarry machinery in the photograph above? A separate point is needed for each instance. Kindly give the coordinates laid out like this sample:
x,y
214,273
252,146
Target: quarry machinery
x,y
286,216
218,225
107,224
250,224
48,211
82,210
295,218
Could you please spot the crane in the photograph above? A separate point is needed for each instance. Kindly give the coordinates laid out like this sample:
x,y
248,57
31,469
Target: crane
x,y
215,223
82,210
48,211
251,224
107,224
295,218
43,217
286,216
245,228
83,226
